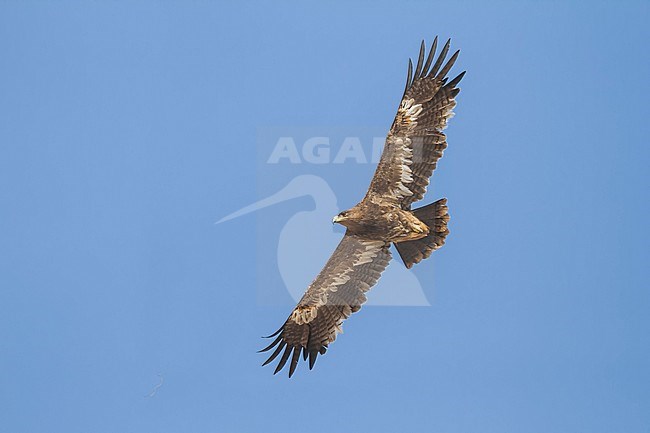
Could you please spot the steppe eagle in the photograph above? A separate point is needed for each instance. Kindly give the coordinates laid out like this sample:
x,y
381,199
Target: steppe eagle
x,y
413,146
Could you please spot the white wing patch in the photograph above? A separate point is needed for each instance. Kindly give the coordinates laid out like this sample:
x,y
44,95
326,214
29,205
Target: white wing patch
x,y
405,158
408,112
302,315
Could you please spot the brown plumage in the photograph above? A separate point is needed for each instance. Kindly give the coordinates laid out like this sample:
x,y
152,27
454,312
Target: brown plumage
x,y
413,146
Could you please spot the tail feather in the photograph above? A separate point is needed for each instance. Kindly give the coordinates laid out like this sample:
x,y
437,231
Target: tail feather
x,y
435,216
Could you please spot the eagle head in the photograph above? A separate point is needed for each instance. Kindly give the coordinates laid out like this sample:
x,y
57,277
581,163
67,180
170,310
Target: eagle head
x,y
348,217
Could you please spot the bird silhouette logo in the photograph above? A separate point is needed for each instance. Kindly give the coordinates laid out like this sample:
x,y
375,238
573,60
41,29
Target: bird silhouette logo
x,y
298,261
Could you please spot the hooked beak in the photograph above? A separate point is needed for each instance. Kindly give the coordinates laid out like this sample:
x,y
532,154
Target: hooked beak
x,y
337,219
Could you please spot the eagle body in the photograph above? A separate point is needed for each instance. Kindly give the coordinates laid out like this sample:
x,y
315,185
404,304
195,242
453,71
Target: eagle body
x,y
382,222
385,216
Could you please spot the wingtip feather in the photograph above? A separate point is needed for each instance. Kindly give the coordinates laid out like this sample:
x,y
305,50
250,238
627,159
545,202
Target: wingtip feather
x,y
448,65
313,354
432,51
274,354
418,67
284,358
441,58
275,333
456,80
294,360
267,348
409,76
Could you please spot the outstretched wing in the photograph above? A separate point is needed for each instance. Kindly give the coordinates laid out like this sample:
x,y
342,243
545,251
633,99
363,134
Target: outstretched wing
x,y
415,141
338,291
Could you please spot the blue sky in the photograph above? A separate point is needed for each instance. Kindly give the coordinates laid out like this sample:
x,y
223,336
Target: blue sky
x,y
129,128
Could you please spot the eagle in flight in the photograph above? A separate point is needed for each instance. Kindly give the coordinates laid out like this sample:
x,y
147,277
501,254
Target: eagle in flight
x,y
413,146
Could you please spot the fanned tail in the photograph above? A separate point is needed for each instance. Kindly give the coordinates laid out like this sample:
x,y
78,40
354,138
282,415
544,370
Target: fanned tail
x,y
435,216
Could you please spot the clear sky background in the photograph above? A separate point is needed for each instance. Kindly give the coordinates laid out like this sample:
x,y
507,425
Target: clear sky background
x,y
128,128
